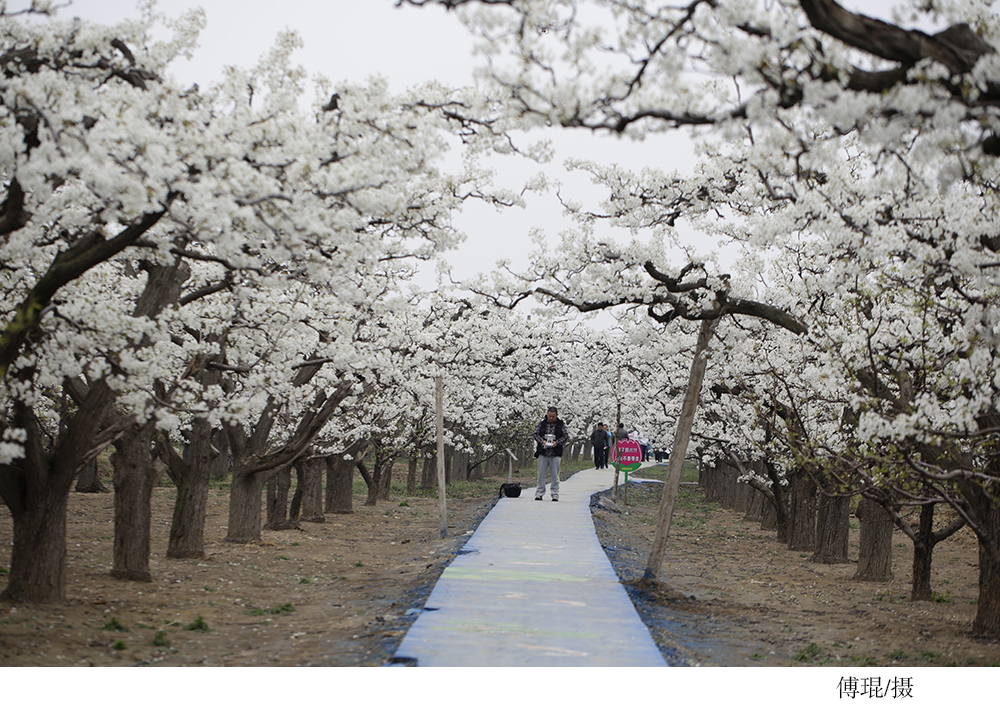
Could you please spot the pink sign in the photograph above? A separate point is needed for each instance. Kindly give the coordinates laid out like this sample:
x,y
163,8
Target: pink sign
x,y
627,451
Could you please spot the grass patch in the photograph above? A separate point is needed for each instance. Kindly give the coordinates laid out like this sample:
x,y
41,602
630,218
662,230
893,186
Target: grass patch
x,y
160,640
113,624
274,610
810,652
119,645
198,624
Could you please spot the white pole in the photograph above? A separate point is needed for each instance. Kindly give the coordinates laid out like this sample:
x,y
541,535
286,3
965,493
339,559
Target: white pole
x,y
439,399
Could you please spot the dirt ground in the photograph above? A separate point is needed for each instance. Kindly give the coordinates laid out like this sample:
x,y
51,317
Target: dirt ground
x,y
343,593
732,595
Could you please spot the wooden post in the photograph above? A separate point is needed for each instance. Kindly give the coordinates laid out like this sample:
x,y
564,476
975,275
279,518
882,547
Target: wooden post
x,y
439,400
675,467
510,466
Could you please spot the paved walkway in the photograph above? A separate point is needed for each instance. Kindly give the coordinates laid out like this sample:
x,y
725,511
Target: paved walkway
x,y
532,587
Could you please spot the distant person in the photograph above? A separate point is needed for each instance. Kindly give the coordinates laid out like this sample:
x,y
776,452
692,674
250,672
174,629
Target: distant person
x,y
622,432
600,440
550,436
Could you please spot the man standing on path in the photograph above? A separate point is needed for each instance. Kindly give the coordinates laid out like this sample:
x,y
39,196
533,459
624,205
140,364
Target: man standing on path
x,y
550,436
599,440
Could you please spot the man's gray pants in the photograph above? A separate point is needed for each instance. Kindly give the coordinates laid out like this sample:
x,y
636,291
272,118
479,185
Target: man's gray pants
x,y
547,466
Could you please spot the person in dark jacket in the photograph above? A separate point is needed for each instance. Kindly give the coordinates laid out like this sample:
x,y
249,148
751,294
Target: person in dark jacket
x,y
599,439
550,436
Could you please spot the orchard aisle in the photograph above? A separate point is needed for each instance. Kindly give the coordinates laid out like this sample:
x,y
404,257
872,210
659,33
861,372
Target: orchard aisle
x,y
532,587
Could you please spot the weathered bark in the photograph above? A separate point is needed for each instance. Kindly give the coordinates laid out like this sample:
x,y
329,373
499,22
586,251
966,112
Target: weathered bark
x,y
776,514
38,552
711,481
307,503
370,482
339,485
743,494
923,550
755,506
385,480
832,530
245,506
675,467
190,474
36,490
875,552
89,479
135,475
987,621
276,503
222,464
728,489
411,474
958,47
802,513
252,460
984,510
427,473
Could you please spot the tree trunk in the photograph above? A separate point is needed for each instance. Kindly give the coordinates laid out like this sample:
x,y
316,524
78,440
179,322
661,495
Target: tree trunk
x,y
776,515
802,515
982,500
987,621
277,500
385,480
427,473
36,490
875,553
833,529
728,490
308,499
675,467
222,463
923,551
339,485
370,482
245,506
411,474
190,475
255,464
710,478
755,506
743,494
89,479
38,553
135,474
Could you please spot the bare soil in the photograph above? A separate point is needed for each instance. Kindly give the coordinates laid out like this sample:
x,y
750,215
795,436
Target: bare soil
x,y
343,592
731,595
328,594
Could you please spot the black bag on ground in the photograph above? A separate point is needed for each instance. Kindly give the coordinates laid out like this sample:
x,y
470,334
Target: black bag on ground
x,y
510,490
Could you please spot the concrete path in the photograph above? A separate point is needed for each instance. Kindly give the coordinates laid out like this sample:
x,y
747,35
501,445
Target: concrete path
x,y
532,587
